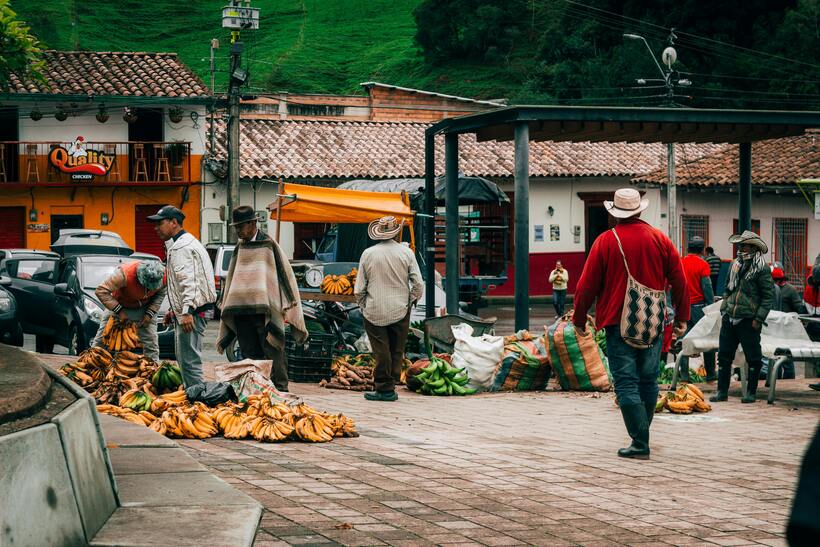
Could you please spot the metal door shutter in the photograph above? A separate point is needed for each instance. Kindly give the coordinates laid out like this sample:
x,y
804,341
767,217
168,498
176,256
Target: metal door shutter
x,y
13,221
146,240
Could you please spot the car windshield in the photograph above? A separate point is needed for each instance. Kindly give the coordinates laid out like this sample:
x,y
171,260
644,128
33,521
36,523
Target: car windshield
x,y
94,273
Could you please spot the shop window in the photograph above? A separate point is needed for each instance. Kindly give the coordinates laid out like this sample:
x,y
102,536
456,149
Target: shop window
x,y
694,225
790,247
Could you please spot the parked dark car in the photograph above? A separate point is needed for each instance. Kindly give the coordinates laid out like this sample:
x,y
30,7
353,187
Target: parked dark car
x,y
56,298
10,330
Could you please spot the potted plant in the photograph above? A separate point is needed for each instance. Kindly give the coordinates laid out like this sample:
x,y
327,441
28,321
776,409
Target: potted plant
x,y
175,114
129,115
102,115
36,115
176,152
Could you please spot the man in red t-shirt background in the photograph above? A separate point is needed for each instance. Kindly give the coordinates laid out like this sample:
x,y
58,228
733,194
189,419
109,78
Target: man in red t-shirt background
x,y
699,283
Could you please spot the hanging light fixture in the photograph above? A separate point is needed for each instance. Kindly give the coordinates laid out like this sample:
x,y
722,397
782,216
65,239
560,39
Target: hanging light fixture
x,y
61,115
36,115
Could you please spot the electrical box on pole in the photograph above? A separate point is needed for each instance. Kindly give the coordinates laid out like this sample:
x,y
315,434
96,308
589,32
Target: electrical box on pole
x,y
238,16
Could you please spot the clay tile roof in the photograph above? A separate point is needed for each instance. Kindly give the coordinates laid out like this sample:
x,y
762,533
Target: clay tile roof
x,y
774,162
355,149
113,73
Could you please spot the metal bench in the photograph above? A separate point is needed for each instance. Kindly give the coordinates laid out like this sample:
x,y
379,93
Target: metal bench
x,y
784,355
438,334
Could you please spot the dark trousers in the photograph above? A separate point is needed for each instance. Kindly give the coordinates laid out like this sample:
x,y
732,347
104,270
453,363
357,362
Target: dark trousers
x,y
634,371
708,356
748,337
559,298
388,349
714,279
251,334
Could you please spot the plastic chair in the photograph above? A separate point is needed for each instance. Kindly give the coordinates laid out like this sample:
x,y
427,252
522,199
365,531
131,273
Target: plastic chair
x,y
438,334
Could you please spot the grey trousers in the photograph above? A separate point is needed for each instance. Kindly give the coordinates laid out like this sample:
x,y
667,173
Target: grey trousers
x,y
188,349
252,338
147,334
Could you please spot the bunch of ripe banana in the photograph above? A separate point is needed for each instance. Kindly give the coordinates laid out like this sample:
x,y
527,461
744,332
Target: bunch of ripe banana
x,y
139,418
351,372
687,399
166,377
127,364
169,400
188,422
90,368
120,335
336,284
441,378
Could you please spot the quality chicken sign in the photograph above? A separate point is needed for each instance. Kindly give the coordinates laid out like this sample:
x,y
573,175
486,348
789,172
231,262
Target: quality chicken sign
x,y
80,163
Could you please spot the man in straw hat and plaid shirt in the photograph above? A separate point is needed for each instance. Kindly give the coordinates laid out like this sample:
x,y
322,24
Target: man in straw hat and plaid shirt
x,y
388,284
654,262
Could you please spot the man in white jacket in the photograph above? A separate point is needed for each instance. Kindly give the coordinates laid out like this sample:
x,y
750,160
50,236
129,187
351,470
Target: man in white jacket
x,y
191,290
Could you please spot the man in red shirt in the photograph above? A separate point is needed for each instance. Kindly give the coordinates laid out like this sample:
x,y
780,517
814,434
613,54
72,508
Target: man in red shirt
x,y
699,283
654,262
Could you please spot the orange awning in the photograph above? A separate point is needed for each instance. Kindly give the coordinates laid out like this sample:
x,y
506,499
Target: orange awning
x,y
301,203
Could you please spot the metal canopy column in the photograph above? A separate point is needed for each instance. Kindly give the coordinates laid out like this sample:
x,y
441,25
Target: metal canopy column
x,y
429,224
451,232
744,188
522,226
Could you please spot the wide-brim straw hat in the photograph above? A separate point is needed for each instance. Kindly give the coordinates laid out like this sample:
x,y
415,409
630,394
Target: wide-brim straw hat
x,y
627,203
748,237
384,228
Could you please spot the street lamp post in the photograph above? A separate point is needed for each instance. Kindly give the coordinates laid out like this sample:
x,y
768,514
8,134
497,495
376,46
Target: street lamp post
x,y
669,56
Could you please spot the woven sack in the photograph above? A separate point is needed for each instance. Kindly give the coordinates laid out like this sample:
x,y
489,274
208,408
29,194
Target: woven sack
x,y
524,367
579,363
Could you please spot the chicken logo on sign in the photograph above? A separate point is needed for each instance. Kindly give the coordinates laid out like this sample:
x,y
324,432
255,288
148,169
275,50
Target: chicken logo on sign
x,y
80,163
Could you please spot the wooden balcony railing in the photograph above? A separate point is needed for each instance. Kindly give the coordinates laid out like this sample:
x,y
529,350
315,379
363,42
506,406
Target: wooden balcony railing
x,y
55,163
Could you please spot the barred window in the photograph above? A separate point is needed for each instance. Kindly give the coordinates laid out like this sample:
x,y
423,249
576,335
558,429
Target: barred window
x,y
790,248
693,225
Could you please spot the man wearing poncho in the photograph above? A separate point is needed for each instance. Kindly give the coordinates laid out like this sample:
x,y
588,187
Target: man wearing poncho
x,y
260,297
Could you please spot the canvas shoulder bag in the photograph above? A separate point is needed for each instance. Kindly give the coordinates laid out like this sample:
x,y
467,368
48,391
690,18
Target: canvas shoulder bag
x,y
643,312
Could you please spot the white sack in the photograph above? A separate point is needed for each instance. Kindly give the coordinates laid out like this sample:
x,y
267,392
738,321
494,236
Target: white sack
x,y
480,355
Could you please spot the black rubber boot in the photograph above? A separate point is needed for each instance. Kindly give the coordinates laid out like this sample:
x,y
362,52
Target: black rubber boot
x,y
637,425
724,376
751,384
709,365
650,411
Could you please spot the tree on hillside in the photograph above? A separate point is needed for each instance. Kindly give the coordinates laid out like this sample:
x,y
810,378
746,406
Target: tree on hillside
x,y
19,51
737,53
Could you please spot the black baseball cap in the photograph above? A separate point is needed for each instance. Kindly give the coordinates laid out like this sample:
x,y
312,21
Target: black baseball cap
x,y
167,212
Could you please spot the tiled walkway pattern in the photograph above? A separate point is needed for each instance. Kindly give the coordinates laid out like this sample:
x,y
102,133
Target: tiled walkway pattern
x,y
507,469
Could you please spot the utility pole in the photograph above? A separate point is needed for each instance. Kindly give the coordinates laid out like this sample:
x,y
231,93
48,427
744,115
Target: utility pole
x,y
670,78
237,16
212,132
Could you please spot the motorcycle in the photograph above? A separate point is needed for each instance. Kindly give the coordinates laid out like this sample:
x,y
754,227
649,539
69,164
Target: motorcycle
x,y
344,322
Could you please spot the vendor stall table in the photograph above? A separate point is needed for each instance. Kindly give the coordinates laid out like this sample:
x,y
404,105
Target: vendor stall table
x,y
306,294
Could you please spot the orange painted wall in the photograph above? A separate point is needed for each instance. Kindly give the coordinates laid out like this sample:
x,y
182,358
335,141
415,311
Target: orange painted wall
x,y
92,202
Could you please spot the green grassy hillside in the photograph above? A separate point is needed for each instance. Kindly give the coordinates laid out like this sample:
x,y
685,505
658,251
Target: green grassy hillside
x,y
319,46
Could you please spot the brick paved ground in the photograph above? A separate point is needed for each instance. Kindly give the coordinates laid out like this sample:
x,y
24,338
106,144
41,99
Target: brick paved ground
x,y
505,469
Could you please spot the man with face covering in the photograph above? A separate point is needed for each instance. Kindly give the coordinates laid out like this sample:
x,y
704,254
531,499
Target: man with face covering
x,y
746,303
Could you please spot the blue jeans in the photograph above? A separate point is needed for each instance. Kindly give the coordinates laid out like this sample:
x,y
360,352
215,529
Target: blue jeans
x,y
189,350
559,297
634,371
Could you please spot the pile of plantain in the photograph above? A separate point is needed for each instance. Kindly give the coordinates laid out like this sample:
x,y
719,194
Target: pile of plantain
x,y
353,372
137,389
441,378
339,284
687,399
119,335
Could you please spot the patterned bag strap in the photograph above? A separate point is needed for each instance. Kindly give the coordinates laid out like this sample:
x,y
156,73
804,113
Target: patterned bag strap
x,y
622,252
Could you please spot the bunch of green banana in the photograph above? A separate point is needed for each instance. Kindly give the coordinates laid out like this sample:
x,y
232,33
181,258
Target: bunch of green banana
x,y
440,378
136,399
167,377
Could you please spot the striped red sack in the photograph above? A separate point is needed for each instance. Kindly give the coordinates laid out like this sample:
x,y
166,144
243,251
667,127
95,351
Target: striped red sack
x,y
577,360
